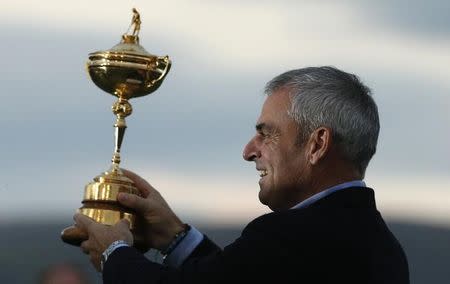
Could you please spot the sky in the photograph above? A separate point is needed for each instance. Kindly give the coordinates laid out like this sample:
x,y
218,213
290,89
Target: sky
x,y
187,138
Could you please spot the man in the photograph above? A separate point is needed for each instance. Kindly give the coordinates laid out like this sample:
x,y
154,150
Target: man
x,y
316,134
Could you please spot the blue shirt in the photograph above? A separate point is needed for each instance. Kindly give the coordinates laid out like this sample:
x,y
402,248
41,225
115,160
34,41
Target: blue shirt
x,y
310,200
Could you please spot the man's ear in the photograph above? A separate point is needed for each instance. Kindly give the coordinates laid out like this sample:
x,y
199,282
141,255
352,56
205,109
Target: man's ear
x,y
319,144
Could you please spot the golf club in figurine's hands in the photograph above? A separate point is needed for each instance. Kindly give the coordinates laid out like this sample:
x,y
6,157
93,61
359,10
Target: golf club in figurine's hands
x,y
126,71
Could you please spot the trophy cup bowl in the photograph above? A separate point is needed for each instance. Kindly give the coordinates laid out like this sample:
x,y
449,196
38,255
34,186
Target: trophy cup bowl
x,y
126,71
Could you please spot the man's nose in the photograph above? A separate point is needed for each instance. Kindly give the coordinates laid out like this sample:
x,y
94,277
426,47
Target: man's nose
x,y
251,151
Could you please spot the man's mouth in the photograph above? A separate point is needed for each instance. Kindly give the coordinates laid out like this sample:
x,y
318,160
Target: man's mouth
x,y
263,173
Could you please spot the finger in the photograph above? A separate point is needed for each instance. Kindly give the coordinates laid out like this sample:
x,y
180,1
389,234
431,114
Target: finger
x,y
85,247
133,201
123,224
83,222
142,185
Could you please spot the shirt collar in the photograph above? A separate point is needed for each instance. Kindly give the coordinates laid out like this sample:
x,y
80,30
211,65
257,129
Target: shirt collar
x,y
310,200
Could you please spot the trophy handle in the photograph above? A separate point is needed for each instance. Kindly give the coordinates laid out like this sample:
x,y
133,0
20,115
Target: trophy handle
x,y
165,70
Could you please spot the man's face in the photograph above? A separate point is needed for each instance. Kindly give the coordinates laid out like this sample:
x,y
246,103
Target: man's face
x,y
278,157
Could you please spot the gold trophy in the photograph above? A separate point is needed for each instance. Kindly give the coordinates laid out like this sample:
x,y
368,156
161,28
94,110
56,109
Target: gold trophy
x,y
126,71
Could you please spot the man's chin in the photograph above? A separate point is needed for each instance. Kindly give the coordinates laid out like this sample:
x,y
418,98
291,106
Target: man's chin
x,y
267,198
262,195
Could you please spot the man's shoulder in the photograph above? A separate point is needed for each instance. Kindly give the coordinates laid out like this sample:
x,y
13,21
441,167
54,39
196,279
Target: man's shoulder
x,y
344,226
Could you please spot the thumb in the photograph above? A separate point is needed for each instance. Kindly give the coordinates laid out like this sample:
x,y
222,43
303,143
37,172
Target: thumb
x,y
82,221
133,201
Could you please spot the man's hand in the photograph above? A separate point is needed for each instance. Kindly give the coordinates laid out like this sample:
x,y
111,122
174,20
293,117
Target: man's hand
x,y
101,236
161,222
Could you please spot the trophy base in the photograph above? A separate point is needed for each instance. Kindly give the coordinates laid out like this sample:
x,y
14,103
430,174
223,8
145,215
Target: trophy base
x,y
100,204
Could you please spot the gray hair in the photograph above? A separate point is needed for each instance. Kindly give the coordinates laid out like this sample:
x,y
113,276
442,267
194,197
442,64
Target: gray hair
x,y
327,96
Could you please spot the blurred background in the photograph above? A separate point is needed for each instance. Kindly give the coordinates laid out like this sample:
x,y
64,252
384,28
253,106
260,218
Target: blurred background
x,y
187,138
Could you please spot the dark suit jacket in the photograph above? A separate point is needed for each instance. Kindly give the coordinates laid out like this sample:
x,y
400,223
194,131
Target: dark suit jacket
x,y
341,238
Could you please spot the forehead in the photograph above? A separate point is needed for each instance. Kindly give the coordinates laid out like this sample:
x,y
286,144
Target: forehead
x,y
276,107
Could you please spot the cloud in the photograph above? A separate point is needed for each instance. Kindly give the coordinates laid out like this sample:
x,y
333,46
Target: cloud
x,y
418,18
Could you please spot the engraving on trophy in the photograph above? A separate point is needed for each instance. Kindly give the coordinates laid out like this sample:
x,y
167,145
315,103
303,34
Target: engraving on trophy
x,y
125,71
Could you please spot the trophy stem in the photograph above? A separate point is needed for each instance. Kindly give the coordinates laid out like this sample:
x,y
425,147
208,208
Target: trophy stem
x,y
121,108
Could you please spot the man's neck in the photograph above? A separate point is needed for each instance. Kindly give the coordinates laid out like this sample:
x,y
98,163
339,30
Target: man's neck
x,y
327,177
